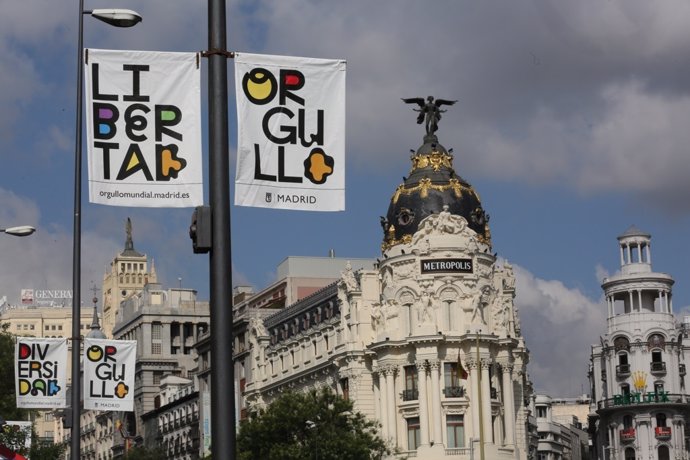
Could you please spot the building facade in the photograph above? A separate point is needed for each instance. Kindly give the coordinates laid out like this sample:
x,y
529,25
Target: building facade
x,y
560,437
166,325
637,373
177,417
428,342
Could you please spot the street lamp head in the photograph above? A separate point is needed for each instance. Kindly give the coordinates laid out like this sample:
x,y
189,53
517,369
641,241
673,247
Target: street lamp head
x,y
22,230
117,17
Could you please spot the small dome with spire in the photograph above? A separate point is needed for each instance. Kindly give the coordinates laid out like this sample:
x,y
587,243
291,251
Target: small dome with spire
x,y
95,332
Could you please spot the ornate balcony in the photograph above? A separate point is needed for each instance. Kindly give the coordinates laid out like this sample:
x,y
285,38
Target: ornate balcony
x,y
658,368
627,434
662,432
623,370
410,395
454,392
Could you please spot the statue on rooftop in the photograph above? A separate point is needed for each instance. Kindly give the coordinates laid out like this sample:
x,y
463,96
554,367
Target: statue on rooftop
x,y
429,111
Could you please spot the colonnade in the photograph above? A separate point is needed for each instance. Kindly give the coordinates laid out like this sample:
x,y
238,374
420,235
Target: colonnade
x,y
664,296
431,417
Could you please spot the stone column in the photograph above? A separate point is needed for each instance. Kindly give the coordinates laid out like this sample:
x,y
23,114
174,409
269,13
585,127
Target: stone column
x,y
508,403
434,369
423,406
391,403
486,400
473,369
639,300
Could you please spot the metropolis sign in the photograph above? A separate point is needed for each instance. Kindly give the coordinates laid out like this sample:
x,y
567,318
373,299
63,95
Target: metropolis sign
x,y
447,266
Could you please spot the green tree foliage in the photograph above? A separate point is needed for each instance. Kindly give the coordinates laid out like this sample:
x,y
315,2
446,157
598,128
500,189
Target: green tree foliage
x,y
8,399
318,425
46,451
143,453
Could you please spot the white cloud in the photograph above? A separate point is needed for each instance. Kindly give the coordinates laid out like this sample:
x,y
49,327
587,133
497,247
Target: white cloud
x,y
44,259
559,325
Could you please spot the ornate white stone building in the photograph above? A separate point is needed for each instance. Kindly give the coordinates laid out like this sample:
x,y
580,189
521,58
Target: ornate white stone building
x,y
637,373
428,342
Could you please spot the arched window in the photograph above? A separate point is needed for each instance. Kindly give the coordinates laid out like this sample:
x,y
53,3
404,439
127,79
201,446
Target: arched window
x,y
656,341
621,343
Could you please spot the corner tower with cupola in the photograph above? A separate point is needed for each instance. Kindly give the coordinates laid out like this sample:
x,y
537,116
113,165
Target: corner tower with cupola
x,y
637,371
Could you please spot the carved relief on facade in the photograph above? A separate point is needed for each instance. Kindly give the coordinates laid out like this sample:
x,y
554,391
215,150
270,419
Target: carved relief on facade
x,y
405,270
444,224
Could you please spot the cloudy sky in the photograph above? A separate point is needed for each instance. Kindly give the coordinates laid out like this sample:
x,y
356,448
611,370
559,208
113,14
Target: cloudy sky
x,y
572,124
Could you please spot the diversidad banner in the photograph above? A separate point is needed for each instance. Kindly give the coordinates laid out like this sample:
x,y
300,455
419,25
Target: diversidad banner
x,y
143,114
109,374
291,132
40,372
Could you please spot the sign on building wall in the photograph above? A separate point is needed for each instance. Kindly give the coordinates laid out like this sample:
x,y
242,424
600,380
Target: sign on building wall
x,y
40,372
46,297
109,374
291,132
143,128
446,266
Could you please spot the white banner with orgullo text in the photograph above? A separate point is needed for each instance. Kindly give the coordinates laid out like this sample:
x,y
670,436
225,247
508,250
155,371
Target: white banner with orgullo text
x,y
109,367
291,132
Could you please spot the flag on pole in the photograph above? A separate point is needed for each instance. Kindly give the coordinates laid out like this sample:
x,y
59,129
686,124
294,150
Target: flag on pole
x,y
143,126
462,373
291,132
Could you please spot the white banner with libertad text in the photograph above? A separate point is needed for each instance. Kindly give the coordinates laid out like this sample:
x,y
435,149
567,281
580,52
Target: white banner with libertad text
x,y
143,125
291,132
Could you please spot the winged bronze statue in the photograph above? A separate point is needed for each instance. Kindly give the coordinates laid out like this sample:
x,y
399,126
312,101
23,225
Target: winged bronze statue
x,y
429,111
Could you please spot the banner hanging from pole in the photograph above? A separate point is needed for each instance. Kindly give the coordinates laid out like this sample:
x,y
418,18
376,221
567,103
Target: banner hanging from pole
x,y
143,125
109,367
291,132
40,371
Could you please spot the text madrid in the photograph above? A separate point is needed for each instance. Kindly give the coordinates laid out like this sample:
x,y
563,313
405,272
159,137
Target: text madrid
x,y
309,199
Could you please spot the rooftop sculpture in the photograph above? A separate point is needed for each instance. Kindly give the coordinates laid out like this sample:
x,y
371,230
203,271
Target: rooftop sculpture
x,y
429,111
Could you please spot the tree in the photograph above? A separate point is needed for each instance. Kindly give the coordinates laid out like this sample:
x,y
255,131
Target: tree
x,y
8,398
144,453
318,425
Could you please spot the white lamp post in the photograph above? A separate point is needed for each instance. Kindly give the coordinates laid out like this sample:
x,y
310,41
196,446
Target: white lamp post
x,y
117,18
